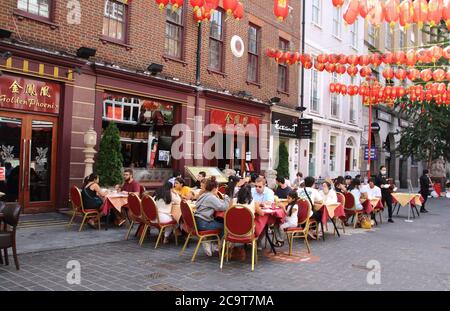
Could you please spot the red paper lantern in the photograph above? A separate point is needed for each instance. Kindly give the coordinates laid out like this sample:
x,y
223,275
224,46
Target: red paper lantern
x,y
391,12
281,9
406,13
375,15
196,4
375,59
319,66
333,58
295,58
332,87
401,91
447,76
278,55
176,4
322,58
413,74
434,12
342,59
352,71
435,53
399,58
400,74
308,65
330,67
388,73
426,75
363,8
338,3
446,50
338,87
307,58
229,6
365,72
388,58
446,12
287,57
411,58
210,4
340,69
422,56
420,12
439,75
352,60
352,12
162,3
343,90
239,11
364,60
271,53
199,14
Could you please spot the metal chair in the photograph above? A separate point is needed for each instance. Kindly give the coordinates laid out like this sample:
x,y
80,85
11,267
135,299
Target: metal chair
x,y
301,231
350,208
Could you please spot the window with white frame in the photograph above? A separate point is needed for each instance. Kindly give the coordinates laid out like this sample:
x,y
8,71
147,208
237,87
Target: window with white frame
x,y
337,16
41,8
334,98
314,98
312,155
316,11
354,35
121,109
388,37
371,34
333,152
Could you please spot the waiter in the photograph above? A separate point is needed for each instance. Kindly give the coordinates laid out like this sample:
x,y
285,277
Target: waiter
x,y
425,186
382,182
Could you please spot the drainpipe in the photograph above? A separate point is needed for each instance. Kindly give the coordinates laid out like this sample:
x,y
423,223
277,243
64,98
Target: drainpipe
x,y
197,82
302,94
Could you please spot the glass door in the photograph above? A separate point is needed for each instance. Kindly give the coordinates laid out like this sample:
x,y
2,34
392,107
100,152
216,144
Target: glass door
x,y
28,152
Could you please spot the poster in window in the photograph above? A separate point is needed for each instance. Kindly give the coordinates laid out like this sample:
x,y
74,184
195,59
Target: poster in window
x,y
164,156
114,113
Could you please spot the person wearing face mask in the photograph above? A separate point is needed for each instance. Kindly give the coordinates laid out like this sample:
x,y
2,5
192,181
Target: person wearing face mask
x,y
382,182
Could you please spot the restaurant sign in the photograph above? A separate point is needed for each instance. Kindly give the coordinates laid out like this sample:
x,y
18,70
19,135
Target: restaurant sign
x,y
285,126
235,121
22,93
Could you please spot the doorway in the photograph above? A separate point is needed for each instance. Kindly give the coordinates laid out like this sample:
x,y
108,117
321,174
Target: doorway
x,y
28,146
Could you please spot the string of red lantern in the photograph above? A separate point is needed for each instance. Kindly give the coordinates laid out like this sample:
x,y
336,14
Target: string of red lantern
x,y
439,92
204,9
281,9
405,12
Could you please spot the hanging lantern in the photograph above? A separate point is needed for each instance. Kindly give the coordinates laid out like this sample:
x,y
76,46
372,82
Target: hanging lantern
x,y
352,71
375,16
330,67
308,65
442,88
322,58
271,53
343,90
340,69
388,73
295,58
352,12
333,58
332,87
420,12
446,52
400,74
352,60
426,75
439,75
338,3
287,57
206,14
399,58
365,72
422,56
435,52
364,60
447,76
229,6
412,74
446,12
176,4
434,12
391,12
363,8
199,14
307,58
411,58
342,59
388,58
375,59
281,9
278,55
196,4
211,4
239,11
319,66
406,13
401,91
162,4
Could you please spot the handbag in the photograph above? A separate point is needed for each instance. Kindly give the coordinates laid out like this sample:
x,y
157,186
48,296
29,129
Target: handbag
x,y
366,223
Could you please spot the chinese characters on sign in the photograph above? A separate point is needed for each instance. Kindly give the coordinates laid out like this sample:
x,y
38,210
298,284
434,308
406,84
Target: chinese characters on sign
x,y
230,119
27,94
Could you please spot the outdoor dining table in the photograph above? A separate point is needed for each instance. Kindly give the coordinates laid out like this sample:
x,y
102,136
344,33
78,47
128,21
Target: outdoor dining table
x,y
369,205
331,210
403,199
113,200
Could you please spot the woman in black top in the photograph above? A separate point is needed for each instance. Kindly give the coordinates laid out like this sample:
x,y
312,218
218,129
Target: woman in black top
x,y
92,194
425,186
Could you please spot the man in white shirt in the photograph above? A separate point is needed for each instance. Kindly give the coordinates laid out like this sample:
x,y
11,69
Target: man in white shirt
x,y
373,192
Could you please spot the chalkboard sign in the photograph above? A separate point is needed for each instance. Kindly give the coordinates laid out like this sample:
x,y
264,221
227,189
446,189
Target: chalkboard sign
x,y
306,128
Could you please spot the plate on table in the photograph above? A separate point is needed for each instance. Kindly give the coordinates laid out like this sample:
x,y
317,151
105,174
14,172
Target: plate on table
x,y
268,210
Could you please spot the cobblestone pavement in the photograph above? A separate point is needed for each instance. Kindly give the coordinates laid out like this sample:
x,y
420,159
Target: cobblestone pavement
x,y
412,256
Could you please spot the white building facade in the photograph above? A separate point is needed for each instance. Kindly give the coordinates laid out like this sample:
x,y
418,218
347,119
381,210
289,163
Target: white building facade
x,y
335,148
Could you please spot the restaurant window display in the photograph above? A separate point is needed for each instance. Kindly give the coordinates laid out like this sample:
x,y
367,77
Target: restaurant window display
x,y
145,131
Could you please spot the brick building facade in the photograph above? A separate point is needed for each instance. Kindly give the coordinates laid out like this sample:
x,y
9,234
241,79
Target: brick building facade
x,y
115,83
